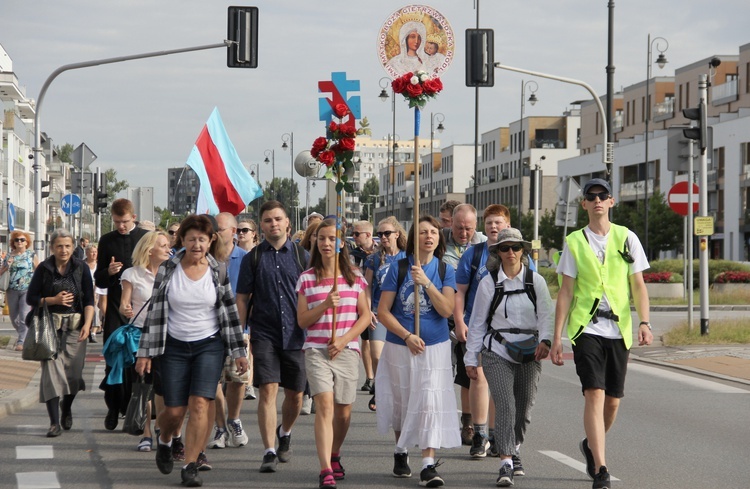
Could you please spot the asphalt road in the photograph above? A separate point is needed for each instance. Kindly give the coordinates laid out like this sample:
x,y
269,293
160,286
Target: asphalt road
x,y
673,431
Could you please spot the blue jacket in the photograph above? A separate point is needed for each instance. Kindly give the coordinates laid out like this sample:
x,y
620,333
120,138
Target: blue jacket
x,y
119,351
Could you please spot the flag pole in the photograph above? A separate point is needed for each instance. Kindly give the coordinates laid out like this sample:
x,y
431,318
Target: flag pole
x,y
417,120
335,288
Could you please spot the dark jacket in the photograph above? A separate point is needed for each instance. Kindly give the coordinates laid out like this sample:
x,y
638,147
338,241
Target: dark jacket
x,y
42,284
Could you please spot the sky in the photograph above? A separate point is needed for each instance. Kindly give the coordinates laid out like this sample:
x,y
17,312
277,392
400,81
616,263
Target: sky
x,y
141,117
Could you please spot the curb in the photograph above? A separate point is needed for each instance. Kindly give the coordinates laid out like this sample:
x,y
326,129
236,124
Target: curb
x,y
686,368
24,398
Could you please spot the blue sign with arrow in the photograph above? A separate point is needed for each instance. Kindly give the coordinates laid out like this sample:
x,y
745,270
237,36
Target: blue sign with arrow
x,y
70,204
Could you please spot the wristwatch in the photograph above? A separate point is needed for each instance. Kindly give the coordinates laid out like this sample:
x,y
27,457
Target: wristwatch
x,y
546,342
647,324
429,284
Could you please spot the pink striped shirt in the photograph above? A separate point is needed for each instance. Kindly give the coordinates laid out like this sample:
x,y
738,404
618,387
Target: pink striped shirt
x,y
319,333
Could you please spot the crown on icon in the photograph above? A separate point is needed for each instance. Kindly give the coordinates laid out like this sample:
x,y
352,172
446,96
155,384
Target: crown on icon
x,y
436,38
412,17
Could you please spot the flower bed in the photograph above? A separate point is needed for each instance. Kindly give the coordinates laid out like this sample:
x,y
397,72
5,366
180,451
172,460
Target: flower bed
x,y
664,285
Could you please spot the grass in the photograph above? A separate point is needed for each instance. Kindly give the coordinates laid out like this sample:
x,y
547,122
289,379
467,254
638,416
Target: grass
x,y
4,340
721,332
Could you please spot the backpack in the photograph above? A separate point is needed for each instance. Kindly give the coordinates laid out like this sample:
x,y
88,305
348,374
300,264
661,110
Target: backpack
x,y
476,259
403,267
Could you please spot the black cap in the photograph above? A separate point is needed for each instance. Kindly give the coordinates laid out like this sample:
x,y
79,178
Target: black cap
x,y
597,181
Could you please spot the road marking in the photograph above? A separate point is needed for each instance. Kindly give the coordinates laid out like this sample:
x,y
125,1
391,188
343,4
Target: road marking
x,y
32,429
32,452
708,385
570,462
37,480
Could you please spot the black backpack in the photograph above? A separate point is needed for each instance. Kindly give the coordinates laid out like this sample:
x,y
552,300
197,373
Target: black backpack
x,y
528,289
476,259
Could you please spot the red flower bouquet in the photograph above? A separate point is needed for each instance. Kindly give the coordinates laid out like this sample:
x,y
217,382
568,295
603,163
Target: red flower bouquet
x,y
417,87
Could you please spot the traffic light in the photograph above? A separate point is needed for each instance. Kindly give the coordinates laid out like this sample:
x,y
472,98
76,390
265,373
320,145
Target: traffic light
x,y
242,32
697,133
45,193
100,193
480,58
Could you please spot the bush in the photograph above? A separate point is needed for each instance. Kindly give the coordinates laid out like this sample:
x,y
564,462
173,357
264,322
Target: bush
x,y
549,274
732,278
715,267
662,278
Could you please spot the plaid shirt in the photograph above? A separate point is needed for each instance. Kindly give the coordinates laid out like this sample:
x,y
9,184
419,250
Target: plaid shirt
x,y
154,335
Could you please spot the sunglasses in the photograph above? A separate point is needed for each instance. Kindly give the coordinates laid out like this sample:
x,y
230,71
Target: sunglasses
x,y
19,240
245,230
592,196
506,248
357,233
385,234
171,232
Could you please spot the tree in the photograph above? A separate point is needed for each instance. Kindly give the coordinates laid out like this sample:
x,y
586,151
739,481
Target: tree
x,y
165,217
664,225
368,195
320,207
113,187
64,152
283,190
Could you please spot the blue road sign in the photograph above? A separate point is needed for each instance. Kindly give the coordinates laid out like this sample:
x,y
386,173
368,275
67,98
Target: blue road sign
x,y
11,217
70,204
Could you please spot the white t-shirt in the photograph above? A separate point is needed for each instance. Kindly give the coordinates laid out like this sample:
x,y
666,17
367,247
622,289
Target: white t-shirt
x,y
142,281
192,315
567,266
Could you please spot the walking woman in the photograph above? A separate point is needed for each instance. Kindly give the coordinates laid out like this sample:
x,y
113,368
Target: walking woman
x,y
332,365
247,234
519,308
100,295
414,382
392,245
64,284
20,264
192,324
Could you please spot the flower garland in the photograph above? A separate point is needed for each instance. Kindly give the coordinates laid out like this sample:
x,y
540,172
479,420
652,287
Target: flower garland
x,y
417,87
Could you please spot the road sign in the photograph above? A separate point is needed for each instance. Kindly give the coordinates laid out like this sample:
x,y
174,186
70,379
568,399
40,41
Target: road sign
x,y
11,217
568,195
677,198
704,226
82,156
565,212
70,204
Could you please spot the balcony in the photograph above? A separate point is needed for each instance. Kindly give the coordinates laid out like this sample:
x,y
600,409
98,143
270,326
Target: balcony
x,y
9,88
548,143
635,189
55,169
664,110
724,93
617,124
745,176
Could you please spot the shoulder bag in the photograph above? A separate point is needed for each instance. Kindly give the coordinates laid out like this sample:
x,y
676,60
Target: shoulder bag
x,y
41,341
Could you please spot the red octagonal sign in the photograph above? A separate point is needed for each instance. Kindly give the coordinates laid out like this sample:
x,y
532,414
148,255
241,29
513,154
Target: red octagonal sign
x,y
678,198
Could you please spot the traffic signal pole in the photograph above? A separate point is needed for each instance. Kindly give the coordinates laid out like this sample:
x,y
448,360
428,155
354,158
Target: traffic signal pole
x,y
703,201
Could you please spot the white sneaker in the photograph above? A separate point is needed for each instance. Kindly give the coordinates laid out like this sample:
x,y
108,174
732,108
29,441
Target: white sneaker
x,y
250,392
220,439
237,437
306,405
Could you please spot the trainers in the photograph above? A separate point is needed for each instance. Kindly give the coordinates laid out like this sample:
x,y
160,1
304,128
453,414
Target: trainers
x,y
326,480
517,467
601,480
236,435
178,449
202,462
401,465
306,405
284,451
111,419
505,477
479,446
589,457
164,458
269,463
367,386
250,392
190,477
467,435
220,439
430,478
338,469
145,444
492,451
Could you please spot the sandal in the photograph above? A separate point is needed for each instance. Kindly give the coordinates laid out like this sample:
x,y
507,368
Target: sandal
x,y
145,444
371,405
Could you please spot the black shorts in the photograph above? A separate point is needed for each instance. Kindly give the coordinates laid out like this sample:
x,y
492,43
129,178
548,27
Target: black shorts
x,y
459,350
272,365
601,363
365,335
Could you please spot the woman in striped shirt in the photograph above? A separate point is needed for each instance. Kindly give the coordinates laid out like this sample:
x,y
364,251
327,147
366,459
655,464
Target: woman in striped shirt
x,y
331,361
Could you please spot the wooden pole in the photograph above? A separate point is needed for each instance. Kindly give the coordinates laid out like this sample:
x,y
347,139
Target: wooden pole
x,y
338,249
417,118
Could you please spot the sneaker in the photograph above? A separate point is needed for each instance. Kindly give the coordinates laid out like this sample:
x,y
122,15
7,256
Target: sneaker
x,y
284,451
202,462
178,449
250,392
505,477
601,480
467,435
401,465
190,477
517,467
479,446
92,338
338,469
589,457
306,405
430,478
236,435
367,386
111,419
269,463
326,480
220,439
145,444
492,451
164,458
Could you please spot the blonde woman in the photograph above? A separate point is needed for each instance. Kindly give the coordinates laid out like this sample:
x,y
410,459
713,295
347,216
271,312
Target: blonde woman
x,y
100,295
20,263
247,234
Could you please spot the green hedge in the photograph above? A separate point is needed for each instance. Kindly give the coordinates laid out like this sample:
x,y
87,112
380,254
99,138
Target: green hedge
x,y
549,274
715,267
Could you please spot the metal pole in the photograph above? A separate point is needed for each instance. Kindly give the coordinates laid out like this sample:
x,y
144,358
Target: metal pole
x,y
567,209
691,265
393,159
703,97
98,214
520,154
535,251
390,170
609,136
476,130
648,117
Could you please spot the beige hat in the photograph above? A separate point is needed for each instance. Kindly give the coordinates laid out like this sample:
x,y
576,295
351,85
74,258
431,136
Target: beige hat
x,y
512,235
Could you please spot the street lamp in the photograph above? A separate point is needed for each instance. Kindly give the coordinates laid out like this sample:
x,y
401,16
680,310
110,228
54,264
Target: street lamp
x,y
660,61
273,169
255,173
288,137
537,168
383,83
440,118
521,139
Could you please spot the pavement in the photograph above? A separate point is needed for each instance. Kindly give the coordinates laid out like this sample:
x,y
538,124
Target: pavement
x,y
19,379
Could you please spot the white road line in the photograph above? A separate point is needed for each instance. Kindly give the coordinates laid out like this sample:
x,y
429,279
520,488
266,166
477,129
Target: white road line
x,y
98,374
33,452
704,384
32,429
37,480
570,462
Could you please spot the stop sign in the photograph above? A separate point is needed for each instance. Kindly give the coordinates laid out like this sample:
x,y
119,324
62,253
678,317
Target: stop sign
x,y
678,198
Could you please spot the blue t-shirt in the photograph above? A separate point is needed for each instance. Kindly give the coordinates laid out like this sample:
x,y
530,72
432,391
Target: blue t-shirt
x,y
379,270
463,275
433,327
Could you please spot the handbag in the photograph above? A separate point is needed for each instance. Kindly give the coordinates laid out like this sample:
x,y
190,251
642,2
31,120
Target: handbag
x,y
135,416
41,342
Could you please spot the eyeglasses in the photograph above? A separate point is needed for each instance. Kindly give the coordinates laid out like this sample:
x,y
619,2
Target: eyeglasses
x,y
19,240
385,234
171,232
592,196
506,248
357,233
245,230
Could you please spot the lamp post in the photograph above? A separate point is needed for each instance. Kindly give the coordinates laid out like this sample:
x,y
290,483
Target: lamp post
x,y
273,169
255,173
288,137
661,61
537,168
521,139
383,83
440,118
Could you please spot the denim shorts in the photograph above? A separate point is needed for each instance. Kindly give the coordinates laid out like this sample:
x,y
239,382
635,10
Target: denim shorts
x,y
191,368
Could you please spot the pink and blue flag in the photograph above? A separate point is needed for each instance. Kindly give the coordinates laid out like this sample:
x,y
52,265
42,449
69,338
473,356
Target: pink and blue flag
x,y
225,182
